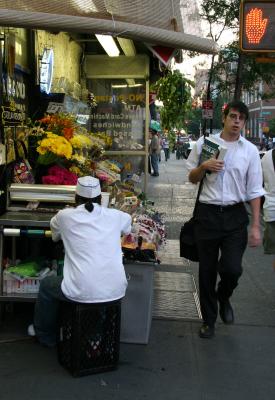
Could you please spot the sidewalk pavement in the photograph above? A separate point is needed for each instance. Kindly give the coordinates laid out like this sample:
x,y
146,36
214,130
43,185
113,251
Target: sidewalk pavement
x,y
176,364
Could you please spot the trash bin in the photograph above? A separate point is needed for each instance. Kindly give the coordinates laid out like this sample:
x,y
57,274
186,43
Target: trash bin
x,y
136,306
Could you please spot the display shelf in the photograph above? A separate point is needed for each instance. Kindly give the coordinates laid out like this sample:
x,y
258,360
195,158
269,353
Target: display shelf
x,y
19,219
125,152
11,218
26,297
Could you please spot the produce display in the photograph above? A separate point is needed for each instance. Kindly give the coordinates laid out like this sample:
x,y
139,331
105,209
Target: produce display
x,y
61,151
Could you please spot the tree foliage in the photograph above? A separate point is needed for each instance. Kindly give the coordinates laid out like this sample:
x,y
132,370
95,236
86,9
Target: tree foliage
x,y
223,15
193,118
174,90
224,72
220,15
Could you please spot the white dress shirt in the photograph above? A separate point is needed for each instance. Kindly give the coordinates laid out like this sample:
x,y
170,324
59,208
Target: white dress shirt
x,y
269,185
241,178
93,269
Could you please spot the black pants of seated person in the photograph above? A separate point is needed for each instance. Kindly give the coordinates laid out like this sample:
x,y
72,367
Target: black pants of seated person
x,y
221,235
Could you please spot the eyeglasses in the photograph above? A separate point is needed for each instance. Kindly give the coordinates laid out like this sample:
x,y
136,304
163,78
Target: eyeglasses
x,y
235,117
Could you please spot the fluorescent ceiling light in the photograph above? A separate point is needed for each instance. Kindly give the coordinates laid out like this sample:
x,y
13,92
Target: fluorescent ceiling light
x,y
119,86
125,86
127,46
130,81
108,44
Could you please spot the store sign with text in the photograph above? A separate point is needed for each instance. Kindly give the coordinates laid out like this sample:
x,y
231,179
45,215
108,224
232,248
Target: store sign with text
x,y
11,116
120,115
207,109
46,70
54,108
15,91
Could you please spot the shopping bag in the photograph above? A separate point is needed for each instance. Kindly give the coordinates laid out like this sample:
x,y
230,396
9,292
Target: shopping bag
x,y
22,171
188,246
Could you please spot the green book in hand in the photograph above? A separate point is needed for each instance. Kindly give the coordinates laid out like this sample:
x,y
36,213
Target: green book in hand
x,y
212,148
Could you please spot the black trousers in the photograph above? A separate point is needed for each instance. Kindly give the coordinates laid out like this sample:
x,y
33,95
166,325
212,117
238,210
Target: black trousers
x,y
221,234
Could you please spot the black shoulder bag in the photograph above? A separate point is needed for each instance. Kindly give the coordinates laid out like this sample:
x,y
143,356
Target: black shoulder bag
x,y
188,246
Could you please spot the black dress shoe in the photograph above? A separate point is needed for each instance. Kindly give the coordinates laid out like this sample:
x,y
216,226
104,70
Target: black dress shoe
x,y
206,331
226,312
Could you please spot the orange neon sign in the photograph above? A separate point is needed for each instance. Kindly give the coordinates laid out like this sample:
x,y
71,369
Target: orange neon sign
x,y
255,25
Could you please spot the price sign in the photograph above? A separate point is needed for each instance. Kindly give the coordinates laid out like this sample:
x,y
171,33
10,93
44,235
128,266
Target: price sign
x,y
54,108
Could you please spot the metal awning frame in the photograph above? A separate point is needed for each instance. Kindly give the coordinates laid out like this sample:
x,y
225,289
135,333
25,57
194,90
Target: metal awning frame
x,y
68,23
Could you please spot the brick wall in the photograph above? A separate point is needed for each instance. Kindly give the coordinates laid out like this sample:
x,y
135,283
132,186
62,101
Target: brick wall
x,y
67,54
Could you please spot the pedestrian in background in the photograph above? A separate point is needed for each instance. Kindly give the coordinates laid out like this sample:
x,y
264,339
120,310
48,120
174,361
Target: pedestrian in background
x,y
166,148
160,145
154,152
221,216
268,164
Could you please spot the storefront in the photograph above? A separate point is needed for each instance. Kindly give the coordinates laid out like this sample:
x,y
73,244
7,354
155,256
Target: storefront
x,y
121,86
103,121
96,124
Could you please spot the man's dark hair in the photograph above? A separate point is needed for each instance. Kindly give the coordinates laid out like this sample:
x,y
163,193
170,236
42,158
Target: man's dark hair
x,y
88,202
237,105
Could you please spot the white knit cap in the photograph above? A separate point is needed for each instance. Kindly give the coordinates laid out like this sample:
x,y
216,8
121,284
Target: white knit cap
x,y
88,187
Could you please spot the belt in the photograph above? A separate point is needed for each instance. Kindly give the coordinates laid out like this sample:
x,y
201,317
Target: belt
x,y
222,208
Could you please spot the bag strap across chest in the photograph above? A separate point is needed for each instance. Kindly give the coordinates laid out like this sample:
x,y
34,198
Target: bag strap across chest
x,y
273,158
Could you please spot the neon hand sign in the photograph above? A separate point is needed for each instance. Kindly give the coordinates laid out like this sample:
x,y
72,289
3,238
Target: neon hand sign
x,y
255,25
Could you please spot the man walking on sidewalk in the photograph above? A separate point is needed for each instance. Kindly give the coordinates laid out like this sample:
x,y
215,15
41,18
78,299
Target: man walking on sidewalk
x,y
268,165
221,217
166,148
154,152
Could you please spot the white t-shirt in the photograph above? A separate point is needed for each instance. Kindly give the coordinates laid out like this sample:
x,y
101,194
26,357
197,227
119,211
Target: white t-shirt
x,y
241,179
93,269
269,185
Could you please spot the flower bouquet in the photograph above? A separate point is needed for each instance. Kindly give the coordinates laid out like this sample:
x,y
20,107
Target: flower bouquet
x,y
59,176
64,149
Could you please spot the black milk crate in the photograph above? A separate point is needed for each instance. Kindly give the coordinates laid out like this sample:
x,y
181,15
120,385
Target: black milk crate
x,y
89,336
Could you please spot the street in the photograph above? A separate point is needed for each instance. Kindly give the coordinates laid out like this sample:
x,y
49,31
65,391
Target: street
x,y
176,364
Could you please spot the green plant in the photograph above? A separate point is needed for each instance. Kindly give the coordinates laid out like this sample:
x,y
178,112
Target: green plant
x,y
174,90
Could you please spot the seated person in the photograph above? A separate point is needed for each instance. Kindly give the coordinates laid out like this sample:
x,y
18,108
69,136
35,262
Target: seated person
x,y
93,269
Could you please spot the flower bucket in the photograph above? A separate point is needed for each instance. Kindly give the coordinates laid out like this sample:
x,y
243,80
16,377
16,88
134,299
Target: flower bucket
x,y
105,199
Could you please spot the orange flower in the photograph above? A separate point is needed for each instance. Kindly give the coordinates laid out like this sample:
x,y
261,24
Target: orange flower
x,y
68,133
45,120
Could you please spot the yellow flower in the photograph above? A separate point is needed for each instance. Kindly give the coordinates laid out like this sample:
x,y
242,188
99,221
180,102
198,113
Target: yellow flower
x,y
75,170
80,159
80,141
56,144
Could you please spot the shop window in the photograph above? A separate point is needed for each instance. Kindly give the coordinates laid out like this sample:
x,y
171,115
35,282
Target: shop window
x,y
120,112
